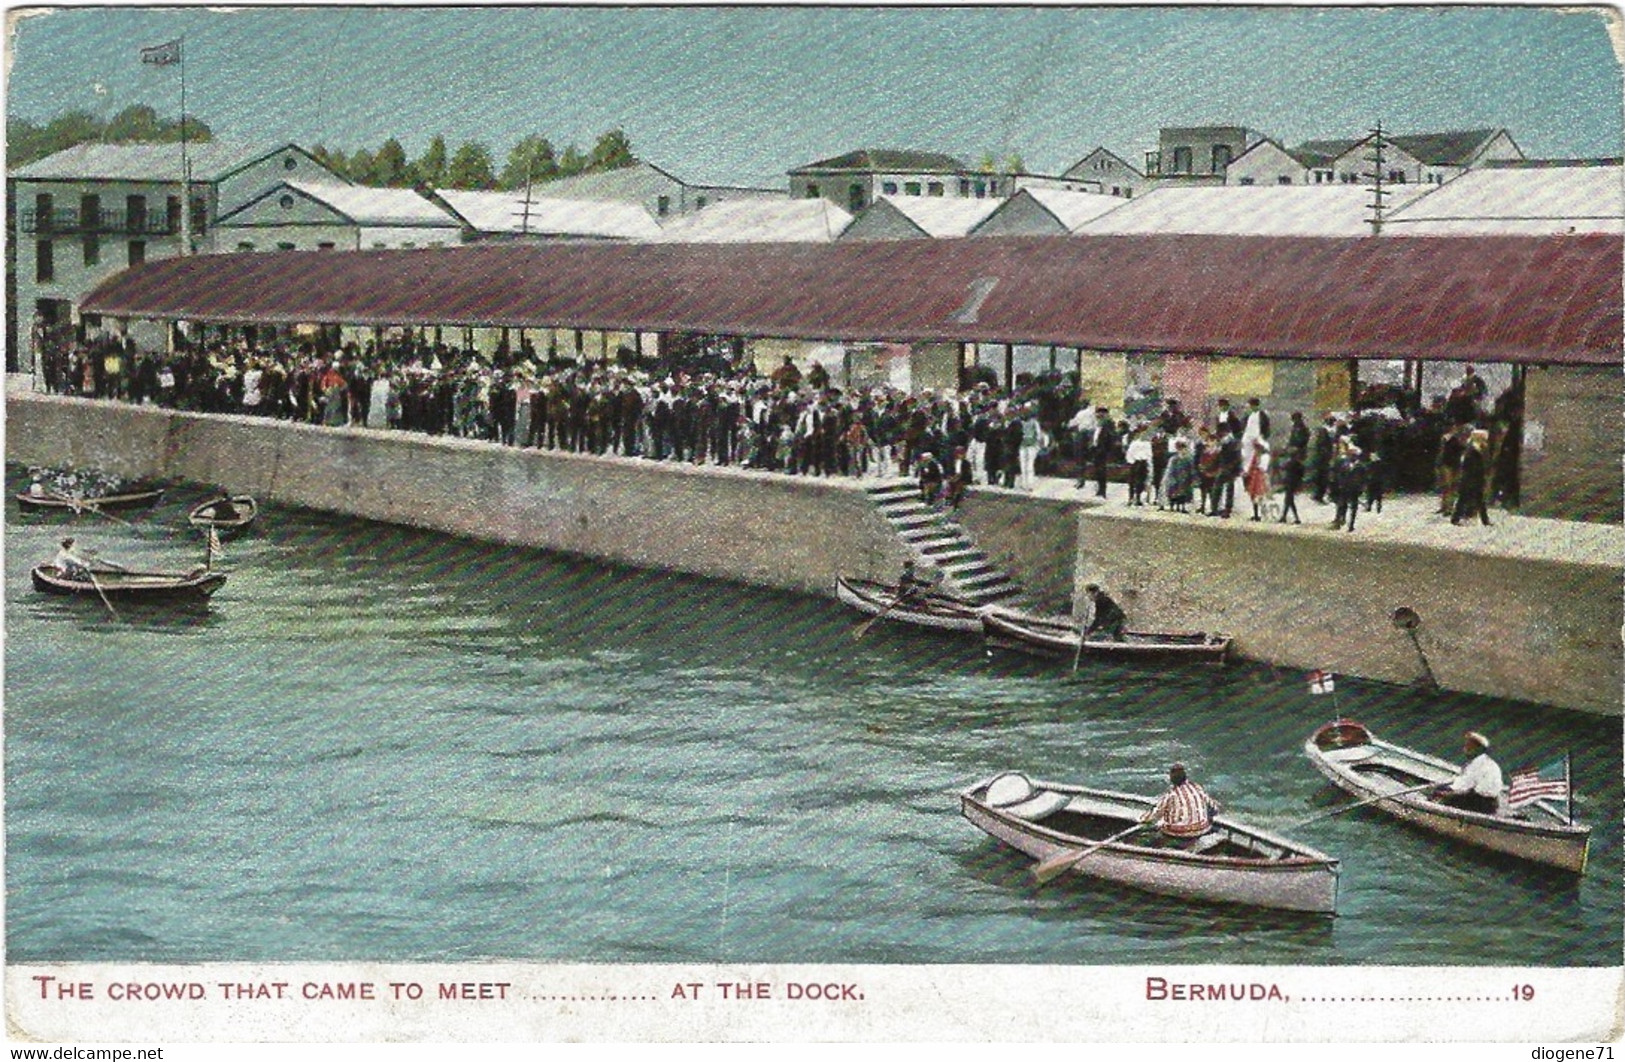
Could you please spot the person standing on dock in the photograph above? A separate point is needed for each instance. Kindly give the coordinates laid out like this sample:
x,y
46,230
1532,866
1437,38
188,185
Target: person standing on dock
x,y
1478,786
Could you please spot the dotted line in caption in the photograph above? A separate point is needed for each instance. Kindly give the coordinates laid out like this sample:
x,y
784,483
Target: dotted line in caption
x,y
597,999
1409,999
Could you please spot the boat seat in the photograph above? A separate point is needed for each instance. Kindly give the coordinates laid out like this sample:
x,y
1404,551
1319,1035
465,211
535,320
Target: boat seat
x,y
1008,789
1040,806
1351,755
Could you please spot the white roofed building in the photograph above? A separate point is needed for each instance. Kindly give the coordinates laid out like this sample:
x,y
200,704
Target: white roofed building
x,y
760,221
509,215
1530,198
1046,212
312,215
915,217
84,213
1284,210
661,193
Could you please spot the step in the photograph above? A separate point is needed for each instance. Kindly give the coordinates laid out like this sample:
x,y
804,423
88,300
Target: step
x,y
969,565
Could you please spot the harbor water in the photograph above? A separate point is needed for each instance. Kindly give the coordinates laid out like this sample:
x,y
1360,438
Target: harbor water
x,y
387,744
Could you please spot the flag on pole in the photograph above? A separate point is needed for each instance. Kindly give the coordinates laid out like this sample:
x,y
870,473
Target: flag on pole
x,y
1321,682
162,54
1529,784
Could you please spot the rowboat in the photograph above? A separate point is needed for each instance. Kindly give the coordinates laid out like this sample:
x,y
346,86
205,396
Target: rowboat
x,y
931,609
1233,863
1057,636
52,502
194,586
1356,761
226,516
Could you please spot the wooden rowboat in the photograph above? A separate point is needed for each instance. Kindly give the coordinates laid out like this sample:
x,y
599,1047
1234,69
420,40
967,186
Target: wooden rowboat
x,y
1058,637
1356,761
1232,863
125,586
51,502
226,516
930,609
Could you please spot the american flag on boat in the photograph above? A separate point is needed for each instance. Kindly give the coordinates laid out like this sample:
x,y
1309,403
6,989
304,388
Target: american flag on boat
x,y
1530,784
1321,682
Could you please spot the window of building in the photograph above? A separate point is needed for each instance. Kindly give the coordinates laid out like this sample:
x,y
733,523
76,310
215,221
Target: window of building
x,y
172,214
890,187
812,191
981,189
135,213
1116,190
90,212
1221,157
289,162
1182,160
1285,178
1128,193
1245,180
911,187
326,245
245,245
284,246
285,202
934,188
964,188
93,249
43,208
136,252
663,205
1396,176
699,202
44,262
200,215
854,197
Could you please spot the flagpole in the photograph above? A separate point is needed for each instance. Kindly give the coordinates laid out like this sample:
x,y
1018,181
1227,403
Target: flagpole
x,y
186,165
1568,786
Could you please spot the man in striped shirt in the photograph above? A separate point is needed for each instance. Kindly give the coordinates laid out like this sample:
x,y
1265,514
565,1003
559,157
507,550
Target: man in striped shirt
x,y
1185,811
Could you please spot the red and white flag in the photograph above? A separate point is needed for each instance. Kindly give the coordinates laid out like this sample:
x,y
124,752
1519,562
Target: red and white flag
x,y
1529,784
1321,682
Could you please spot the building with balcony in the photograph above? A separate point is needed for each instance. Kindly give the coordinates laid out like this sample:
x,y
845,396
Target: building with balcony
x,y
83,214
1198,154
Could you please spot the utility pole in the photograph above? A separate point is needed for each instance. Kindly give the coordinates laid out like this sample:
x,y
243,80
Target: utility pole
x,y
1378,192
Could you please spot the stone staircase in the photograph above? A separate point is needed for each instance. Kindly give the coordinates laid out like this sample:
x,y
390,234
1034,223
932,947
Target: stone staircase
x,y
937,542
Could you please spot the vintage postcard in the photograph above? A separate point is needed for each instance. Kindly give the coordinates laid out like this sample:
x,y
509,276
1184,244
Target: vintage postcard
x,y
709,524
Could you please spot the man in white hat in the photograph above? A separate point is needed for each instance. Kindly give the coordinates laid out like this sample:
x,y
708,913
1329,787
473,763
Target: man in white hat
x,y
1478,786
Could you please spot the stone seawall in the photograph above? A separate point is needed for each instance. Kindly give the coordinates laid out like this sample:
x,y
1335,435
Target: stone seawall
x,y
1542,630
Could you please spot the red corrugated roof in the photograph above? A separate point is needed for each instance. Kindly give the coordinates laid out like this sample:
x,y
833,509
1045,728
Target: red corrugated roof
x,y
1497,298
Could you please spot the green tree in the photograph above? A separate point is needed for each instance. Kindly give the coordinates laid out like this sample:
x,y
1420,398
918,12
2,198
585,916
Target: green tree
x,y
389,167
136,122
431,168
530,160
571,162
360,169
331,158
612,152
470,168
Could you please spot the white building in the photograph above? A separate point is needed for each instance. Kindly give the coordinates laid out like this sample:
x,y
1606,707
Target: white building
x,y
662,194
1227,210
511,215
760,221
1532,199
921,218
1109,172
327,215
87,212
1046,212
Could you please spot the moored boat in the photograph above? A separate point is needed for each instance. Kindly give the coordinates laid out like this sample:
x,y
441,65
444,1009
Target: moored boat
x,y
225,515
1387,775
50,501
1057,636
931,609
1233,863
194,586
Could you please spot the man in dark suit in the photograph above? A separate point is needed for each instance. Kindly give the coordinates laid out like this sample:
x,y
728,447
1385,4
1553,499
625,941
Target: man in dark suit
x,y
1102,447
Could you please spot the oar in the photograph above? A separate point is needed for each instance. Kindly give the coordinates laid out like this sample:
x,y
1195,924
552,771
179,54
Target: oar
x,y
1057,865
1363,803
863,628
101,593
1077,654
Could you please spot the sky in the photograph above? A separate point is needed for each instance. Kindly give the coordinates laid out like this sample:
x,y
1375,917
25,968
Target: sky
x,y
741,95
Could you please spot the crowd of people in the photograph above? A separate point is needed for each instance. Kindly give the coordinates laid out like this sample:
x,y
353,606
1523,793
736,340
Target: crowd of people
x,y
798,423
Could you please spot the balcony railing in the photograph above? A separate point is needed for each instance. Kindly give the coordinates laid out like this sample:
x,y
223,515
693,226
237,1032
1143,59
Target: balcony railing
x,y
118,222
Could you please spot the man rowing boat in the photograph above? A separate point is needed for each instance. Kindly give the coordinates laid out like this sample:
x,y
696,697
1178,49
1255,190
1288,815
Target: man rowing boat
x,y
1478,786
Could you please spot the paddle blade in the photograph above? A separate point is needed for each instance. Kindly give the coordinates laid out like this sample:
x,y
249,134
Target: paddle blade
x,y
1056,865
